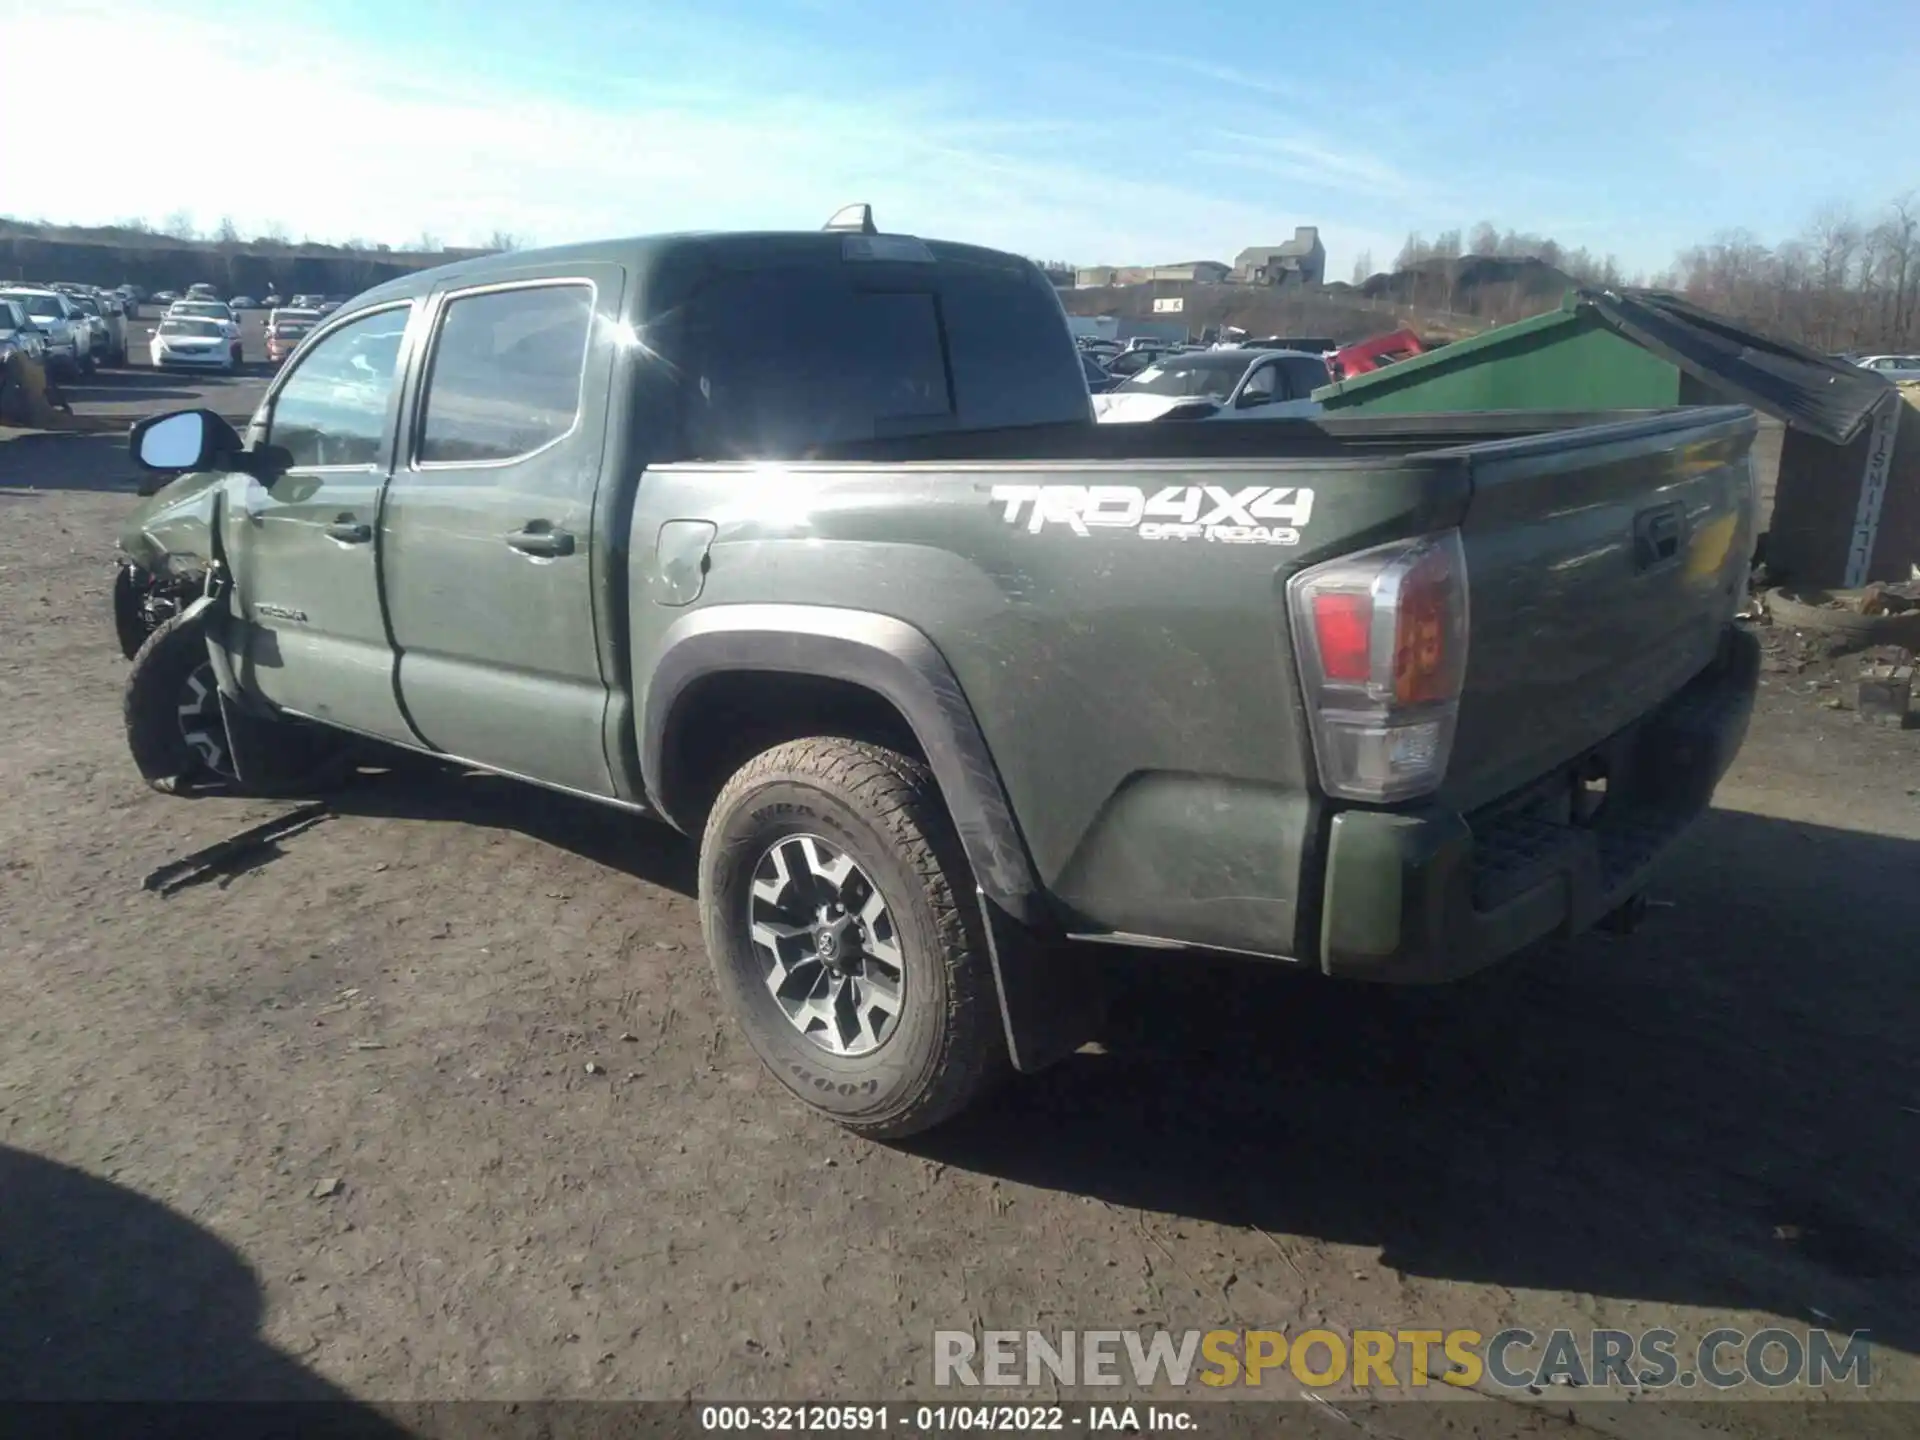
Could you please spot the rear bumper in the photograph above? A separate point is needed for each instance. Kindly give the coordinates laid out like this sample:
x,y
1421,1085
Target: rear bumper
x,y
1419,897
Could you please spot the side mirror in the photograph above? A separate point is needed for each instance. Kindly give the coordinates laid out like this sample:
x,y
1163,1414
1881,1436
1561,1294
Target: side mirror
x,y
1251,398
184,440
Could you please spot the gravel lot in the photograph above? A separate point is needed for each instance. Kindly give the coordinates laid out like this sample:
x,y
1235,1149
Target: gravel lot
x,y
329,1126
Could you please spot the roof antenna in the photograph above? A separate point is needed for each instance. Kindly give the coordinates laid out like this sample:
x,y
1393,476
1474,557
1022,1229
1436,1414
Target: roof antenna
x,y
857,219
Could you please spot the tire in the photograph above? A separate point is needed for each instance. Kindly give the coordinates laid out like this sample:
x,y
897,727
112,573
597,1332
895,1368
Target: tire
x,y
177,730
832,800
128,628
1846,628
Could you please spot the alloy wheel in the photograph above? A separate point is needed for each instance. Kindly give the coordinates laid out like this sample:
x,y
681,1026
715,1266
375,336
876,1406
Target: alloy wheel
x,y
827,942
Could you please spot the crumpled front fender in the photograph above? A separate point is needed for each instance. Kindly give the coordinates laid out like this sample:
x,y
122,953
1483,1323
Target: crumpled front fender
x,y
175,533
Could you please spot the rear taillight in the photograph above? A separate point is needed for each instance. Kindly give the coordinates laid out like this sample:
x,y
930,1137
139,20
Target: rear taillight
x,y
1382,644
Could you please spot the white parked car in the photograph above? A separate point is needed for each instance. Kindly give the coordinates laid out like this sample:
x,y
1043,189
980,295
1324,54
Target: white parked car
x,y
1217,385
202,342
69,338
205,310
1894,367
18,332
218,311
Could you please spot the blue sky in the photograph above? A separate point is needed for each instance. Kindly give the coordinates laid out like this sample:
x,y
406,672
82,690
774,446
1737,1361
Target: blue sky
x,y
1119,132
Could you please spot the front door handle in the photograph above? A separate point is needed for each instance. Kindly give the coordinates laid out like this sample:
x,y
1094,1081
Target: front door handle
x,y
542,541
349,531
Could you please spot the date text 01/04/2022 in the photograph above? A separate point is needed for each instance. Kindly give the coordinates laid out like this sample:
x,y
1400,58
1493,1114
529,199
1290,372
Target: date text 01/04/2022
x,y
998,1419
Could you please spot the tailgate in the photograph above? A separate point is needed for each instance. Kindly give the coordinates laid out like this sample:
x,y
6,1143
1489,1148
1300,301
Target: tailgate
x,y
1603,564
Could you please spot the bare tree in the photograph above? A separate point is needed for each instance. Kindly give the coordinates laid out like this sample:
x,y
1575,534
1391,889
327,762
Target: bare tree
x,y
1485,240
428,243
180,226
505,240
227,233
1362,268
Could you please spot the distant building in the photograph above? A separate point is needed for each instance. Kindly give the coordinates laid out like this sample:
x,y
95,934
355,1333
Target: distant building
x,y
1192,272
1300,261
1062,277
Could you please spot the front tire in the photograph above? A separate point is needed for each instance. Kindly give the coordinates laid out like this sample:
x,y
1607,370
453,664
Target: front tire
x,y
176,732
129,628
177,728
839,915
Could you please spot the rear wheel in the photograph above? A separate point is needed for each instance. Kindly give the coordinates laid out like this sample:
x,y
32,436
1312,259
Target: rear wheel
x,y
839,916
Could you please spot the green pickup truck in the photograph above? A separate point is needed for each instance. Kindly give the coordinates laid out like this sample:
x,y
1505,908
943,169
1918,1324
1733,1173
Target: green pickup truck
x,y
808,545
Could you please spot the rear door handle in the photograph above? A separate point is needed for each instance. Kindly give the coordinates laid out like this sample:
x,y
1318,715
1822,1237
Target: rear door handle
x,y
542,541
349,531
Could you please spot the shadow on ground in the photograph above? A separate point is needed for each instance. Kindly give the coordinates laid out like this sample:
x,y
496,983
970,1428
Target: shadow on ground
x,y
109,1296
1721,1110
416,788
69,462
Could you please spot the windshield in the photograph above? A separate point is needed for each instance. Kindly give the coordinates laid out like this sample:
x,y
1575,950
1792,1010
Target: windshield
x,y
209,309
41,307
1189,375
198,329
86,303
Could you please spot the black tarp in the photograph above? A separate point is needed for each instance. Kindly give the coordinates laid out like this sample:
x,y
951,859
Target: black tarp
x,y
1800,387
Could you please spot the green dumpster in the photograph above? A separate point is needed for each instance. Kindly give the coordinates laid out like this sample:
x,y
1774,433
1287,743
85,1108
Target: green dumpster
x,y
1566,359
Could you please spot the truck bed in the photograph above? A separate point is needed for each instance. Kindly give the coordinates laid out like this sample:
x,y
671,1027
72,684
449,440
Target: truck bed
x,y
1322,437
1135,680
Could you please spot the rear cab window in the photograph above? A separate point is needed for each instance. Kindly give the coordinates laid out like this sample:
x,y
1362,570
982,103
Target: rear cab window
x,y
787,358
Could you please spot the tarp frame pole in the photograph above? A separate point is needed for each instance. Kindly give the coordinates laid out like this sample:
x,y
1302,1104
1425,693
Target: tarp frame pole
x,y
1873,489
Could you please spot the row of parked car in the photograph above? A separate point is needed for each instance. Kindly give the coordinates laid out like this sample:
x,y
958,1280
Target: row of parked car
x,y
1153,379
70,328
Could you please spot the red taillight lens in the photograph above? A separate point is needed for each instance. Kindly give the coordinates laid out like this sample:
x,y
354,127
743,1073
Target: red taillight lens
x,y
1381,637
1343,630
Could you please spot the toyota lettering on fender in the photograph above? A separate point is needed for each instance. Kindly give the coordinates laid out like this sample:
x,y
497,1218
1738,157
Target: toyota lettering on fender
x,y
1255,515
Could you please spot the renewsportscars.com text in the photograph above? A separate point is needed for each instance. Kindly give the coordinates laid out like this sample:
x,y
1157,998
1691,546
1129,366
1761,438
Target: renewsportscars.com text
x,y
1514,1359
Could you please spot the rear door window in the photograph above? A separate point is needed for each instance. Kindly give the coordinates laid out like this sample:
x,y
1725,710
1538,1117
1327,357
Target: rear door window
x,y
506,372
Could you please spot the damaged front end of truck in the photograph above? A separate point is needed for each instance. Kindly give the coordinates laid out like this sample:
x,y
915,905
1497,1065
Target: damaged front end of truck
x,y
167,549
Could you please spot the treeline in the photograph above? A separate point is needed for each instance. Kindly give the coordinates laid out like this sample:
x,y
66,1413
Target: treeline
x,y
1843,284
174,254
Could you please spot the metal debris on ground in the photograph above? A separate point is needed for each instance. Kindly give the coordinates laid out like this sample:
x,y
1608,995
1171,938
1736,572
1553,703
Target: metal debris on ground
x,y
228,856
1885,694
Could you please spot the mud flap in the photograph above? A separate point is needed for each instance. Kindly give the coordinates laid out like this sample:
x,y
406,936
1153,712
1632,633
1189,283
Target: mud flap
x,y
1053,995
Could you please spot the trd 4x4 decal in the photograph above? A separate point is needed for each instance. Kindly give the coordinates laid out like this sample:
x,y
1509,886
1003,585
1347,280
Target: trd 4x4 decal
x,y
1255,515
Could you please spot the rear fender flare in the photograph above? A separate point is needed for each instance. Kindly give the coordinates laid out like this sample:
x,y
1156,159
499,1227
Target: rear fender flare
x,y
878,653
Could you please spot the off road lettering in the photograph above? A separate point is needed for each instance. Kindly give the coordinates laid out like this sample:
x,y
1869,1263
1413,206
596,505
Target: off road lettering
x,y
1252,515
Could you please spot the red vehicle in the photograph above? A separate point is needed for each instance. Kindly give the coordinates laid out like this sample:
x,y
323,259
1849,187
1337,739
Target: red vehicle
x,y
285,330
1358,359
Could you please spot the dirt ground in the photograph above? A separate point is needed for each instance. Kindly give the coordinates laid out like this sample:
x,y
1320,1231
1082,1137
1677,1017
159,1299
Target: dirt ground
x,y
1714,1121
